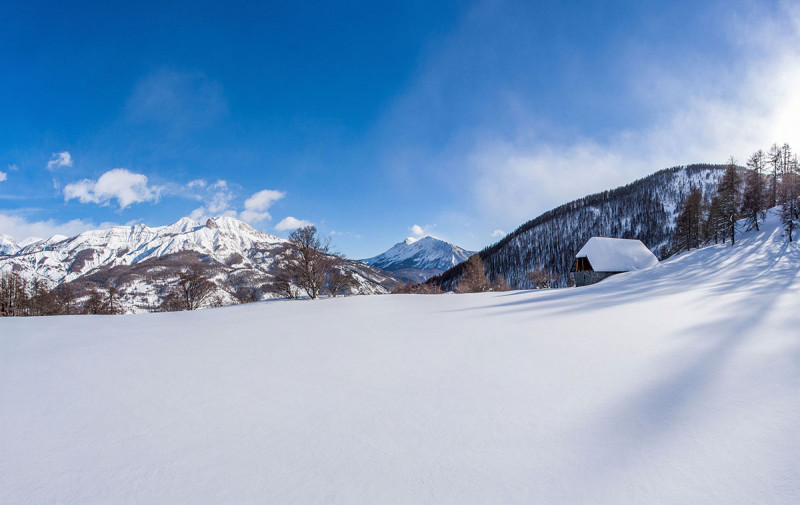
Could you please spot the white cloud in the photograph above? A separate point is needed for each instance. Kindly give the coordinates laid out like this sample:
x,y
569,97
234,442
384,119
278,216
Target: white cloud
x,y
418,232
291,223
498,233
256,207
58,160
221,199
3,176
516,177
217,197
13,168
198,213
117,184
197,183
21,228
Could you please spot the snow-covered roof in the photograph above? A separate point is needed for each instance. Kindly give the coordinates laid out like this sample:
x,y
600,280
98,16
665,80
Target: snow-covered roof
x,y
616,254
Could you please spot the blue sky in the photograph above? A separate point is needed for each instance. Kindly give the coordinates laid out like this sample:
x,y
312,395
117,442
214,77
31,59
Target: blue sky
x,y
374,120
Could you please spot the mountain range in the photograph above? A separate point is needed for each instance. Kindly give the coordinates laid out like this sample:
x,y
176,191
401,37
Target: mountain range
x,y
142,262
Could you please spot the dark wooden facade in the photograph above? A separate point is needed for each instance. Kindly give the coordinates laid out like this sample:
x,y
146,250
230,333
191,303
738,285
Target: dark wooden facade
x,y
585,274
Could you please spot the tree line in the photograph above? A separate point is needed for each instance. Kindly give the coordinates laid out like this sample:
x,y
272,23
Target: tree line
x,y
770,179
21,297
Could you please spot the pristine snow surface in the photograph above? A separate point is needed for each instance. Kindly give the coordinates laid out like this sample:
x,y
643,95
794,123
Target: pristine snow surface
x,y
676,384
617,254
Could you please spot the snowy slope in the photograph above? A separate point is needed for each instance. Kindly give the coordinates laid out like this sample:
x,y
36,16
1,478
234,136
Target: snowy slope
x,y
8,245
419,259
675,384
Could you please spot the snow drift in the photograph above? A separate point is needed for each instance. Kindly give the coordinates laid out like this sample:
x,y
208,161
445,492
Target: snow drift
x,y
675,384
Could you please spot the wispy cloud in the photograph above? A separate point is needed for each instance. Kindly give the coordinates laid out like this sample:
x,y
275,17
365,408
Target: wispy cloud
x,y
117,184
498,233
518,176
176,100
292,223
21,228
256,207
59,160
3,176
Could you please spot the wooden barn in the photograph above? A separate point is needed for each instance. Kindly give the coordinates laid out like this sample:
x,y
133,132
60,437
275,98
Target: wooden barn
x,y
603,257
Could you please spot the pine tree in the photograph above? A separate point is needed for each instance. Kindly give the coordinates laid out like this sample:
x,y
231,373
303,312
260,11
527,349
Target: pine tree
x,y
753,197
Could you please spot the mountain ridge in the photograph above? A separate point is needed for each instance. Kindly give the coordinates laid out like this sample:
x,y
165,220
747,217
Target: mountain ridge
x,y
143,261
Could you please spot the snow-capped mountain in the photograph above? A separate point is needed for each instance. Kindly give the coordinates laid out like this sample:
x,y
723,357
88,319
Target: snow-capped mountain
x,y
62,259
140,260
8,245
416,260
644,209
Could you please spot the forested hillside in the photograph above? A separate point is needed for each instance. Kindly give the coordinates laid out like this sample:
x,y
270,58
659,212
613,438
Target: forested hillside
x,y
645,209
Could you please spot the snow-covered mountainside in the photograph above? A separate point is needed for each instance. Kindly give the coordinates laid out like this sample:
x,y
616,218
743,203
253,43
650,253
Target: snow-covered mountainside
x,y
674,384
416,260
645,210
8,245
140,260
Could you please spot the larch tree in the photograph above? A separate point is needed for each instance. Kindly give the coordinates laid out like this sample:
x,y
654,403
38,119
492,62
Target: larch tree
x,y
729,193
754,198
473,278
689,223
789,196
773,158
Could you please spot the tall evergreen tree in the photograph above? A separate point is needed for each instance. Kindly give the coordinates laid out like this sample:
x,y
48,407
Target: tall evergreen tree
x,y
754,198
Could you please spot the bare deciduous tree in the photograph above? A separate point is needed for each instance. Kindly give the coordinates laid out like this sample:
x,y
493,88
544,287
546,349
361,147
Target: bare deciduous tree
x,y
754,198
541,278
688,224
473,280
414,288
729,192
339,281
190,291
310,261
499,284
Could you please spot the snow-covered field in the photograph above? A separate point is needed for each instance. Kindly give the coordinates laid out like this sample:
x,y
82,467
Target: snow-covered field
x,y
678,384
